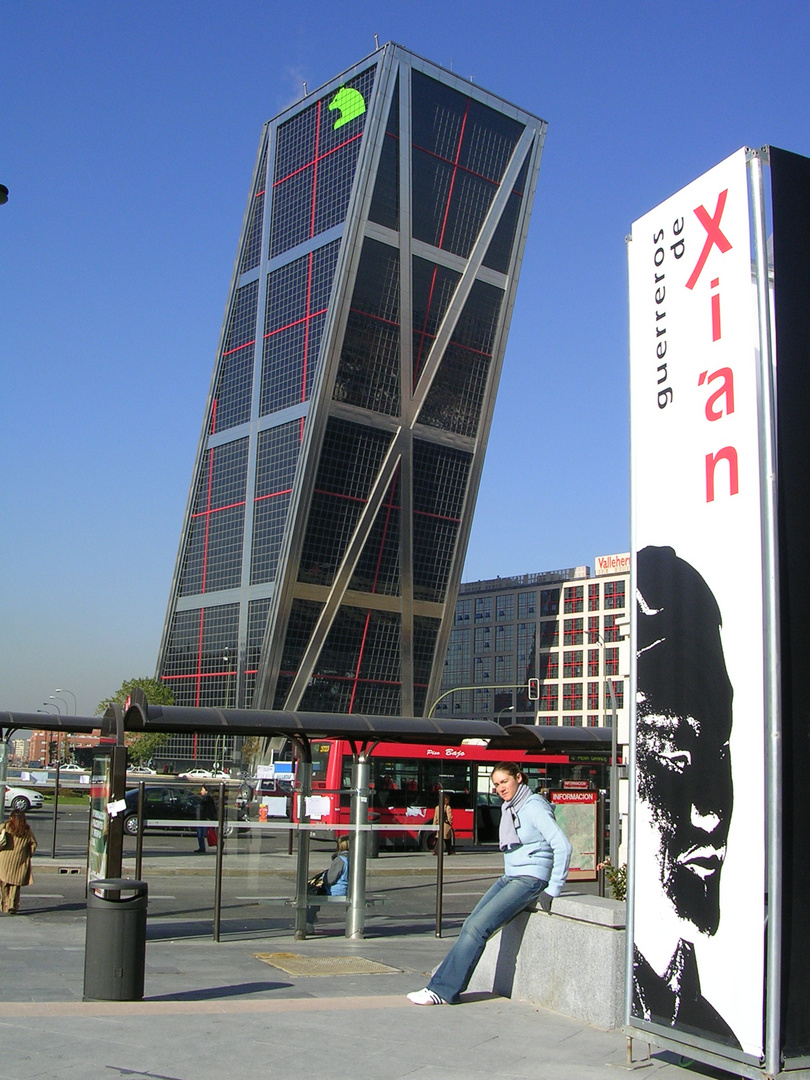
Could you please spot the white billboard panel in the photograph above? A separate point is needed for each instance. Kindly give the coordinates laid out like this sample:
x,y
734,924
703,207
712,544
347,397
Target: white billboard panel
x,y
698,900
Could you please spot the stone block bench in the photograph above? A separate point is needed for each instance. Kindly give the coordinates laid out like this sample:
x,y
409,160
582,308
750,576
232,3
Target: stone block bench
x,y
571,961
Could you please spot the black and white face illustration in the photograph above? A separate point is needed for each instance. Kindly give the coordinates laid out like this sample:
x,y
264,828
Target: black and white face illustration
x,y
683,729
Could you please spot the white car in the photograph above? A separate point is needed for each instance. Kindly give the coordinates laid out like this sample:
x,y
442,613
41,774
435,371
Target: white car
x,y
141,770
22,798
203,774
71,767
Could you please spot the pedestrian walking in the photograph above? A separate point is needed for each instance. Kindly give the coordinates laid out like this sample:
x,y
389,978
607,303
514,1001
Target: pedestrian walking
x,y
447,828
536,854
206,811
17,845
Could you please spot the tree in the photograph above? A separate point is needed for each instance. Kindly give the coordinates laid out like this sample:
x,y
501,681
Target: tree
x,y
157,693
141,747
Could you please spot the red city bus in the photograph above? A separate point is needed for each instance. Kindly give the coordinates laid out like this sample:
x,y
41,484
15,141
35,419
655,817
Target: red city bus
x,y
405,779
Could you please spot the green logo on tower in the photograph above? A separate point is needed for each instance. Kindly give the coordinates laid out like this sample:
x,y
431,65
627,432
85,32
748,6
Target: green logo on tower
x,y
349,103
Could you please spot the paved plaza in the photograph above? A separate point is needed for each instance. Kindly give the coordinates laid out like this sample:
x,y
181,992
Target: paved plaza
x,y
212,1011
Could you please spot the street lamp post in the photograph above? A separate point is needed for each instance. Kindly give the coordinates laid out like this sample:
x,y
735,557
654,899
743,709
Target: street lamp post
x,y
59,690
506,708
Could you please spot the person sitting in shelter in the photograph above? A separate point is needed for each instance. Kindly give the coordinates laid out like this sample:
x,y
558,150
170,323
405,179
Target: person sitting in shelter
x,y
335,879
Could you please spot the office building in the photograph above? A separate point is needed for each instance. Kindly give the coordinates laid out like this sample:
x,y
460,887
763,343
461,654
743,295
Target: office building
x,y
563,628
351,399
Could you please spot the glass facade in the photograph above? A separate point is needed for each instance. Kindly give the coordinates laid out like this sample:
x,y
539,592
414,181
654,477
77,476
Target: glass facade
x,y
350,401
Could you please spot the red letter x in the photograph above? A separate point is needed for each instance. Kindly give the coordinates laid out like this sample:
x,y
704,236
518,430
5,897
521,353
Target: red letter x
x,y
713,235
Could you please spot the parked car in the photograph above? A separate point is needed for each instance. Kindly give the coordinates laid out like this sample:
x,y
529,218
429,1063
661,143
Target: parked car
x,y
71,766
22,798
203,774
141,770
164,804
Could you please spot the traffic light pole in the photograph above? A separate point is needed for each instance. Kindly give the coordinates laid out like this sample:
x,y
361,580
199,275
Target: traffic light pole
x,y
532,689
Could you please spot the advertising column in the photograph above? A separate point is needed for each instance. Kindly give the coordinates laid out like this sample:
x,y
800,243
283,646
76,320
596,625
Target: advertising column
x,y
698,895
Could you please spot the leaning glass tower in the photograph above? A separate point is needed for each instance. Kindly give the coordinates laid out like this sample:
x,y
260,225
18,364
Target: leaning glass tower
x,y
352,395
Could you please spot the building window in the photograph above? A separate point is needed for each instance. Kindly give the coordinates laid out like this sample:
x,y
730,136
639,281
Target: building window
x,y
483,638
483,608
593,695
548,698
572,664
505,639
593,721
572,696
527,604
572,632
618,693
593,597
572,721
611,632
593,663
549,601
614,594
549,634
463,611
611,661
573,599
505,608
548,666
593,629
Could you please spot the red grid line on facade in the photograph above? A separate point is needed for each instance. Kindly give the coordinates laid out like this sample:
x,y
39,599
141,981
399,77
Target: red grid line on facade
x,y
349,678
272,495
455,172
394,506
322,157
438,517
309,301
217,509
359,661
199,662
424,332
203,675
371,315
296,322
454,164
340,495
236,348
462,347
207,518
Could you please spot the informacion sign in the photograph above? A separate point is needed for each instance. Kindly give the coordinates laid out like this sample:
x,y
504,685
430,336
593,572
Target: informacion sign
x,y
575,813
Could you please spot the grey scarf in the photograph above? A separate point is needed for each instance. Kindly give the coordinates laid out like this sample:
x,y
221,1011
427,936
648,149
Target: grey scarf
x,y
507,833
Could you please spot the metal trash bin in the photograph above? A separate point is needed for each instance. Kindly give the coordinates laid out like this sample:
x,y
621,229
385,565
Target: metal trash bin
x,y
115,942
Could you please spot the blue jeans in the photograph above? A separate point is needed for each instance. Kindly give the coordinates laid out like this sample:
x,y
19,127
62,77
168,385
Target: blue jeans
x,y
507,898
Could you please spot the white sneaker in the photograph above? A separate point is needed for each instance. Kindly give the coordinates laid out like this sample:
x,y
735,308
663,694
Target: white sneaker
x,y
425,997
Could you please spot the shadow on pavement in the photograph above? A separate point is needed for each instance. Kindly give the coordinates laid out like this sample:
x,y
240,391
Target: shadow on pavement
x,y
214,993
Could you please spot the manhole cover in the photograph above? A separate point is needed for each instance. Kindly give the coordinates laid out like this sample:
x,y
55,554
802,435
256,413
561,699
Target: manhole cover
x,y
294,964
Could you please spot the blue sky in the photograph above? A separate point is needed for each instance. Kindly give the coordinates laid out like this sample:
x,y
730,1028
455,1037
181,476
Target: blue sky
x,y
128,133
